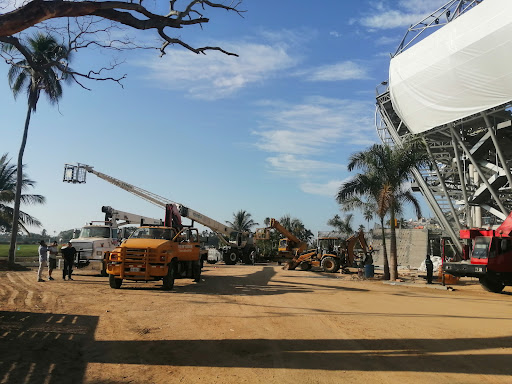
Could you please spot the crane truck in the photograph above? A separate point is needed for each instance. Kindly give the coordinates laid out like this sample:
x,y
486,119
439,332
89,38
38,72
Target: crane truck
x,y
98,237
237,246
490,259
154,252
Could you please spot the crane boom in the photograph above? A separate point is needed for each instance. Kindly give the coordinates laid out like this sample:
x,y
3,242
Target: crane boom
x,y
290,236
76,174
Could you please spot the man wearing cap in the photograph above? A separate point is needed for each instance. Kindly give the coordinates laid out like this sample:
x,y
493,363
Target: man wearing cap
x,y
68,253
42,250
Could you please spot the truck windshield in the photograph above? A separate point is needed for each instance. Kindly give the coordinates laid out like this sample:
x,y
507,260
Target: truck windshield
x,y
152,233
481,250
101,232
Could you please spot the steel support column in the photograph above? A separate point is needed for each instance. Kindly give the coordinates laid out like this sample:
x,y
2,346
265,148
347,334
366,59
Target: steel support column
x,y
479,171
443,185
498,149
467,208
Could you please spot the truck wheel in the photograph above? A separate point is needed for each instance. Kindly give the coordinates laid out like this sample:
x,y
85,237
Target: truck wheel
x,y
330,264
230,258
491,285
114,282
168,280
211,261
304,266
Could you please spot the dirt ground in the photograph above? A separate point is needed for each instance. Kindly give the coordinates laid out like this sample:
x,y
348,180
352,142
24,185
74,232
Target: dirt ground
x,y
251,324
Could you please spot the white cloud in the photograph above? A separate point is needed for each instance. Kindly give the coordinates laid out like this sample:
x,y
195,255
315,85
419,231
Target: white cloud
x,y
216,75
347,70
300,165
335,34
407,12
324,189
304,136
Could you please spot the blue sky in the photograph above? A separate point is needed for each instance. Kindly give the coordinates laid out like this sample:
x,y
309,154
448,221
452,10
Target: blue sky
x,y
269,132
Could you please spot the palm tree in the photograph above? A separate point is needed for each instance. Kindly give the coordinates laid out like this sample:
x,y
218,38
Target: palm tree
x,y
385,172
344,225
7,193
242,221
38,73
296,227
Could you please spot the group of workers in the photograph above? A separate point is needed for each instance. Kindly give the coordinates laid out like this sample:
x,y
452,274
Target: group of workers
x,y
48,256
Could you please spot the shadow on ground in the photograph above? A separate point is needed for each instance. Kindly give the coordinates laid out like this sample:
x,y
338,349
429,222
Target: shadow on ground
x,y
56,348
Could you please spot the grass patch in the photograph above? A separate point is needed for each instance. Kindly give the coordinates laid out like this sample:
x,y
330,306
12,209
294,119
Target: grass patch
x,y
24,250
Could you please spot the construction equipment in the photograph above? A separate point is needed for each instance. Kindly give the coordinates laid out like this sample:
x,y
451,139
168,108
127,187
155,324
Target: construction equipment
x,y
98,237
332,253
237,245
289,246
166,253
490,259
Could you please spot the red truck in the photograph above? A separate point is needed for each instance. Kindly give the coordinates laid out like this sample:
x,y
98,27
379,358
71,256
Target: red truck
x,y
490,259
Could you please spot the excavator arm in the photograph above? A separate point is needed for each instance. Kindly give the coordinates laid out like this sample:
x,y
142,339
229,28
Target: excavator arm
x,y
351,243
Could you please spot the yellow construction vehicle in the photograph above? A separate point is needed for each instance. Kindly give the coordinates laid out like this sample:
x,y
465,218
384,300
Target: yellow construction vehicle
x,y
166,253
332,253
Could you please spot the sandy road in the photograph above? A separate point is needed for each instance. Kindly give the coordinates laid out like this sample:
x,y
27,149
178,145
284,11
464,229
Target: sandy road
x,y
251,324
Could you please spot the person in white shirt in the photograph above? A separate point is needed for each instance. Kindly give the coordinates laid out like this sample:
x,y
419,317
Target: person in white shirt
x,y
52,259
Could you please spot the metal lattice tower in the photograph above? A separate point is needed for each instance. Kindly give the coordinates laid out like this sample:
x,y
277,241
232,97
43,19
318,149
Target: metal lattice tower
x,y
468,183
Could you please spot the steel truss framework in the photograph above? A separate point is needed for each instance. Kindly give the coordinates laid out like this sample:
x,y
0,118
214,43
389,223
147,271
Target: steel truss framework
x,y
442,16
470,172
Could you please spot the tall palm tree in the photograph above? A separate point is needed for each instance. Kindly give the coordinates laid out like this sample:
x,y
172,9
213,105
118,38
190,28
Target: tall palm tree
x,y
385,173
39,74
242,221
7,193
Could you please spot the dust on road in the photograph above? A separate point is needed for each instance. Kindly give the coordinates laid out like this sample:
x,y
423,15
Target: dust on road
x,y
251,324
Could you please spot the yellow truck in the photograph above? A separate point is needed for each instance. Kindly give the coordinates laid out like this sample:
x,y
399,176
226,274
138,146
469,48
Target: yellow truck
x,y
164,253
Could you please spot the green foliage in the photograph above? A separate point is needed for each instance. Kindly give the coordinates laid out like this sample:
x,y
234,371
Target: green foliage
x,y
242,221
7,193
25,250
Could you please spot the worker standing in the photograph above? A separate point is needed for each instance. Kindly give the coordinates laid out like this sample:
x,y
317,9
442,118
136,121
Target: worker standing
x,y
68,253
429,265
42,252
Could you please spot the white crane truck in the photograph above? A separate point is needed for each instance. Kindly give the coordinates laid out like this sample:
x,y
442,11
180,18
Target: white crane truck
x,y
98,237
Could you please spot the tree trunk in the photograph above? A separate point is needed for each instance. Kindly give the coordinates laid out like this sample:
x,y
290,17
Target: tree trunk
x,y
393,264
385,251
19,183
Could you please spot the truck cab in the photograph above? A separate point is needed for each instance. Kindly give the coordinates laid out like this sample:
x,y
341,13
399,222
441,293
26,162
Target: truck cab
x,y
94,239
156,253
490,259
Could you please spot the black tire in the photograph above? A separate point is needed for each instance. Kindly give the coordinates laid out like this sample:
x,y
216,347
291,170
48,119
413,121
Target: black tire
x,y
249,258
492,285
196,272
330,264
230,258
114,282
211,261
304,266
168,280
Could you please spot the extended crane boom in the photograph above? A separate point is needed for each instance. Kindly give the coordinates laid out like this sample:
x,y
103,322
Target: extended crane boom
x,y
226,234
77,173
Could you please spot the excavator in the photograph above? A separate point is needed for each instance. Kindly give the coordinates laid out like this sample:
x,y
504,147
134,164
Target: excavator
x,y
331,254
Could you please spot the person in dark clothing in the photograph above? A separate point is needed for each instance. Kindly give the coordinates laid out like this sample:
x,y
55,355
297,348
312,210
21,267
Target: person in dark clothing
x,y
429,265
68,253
